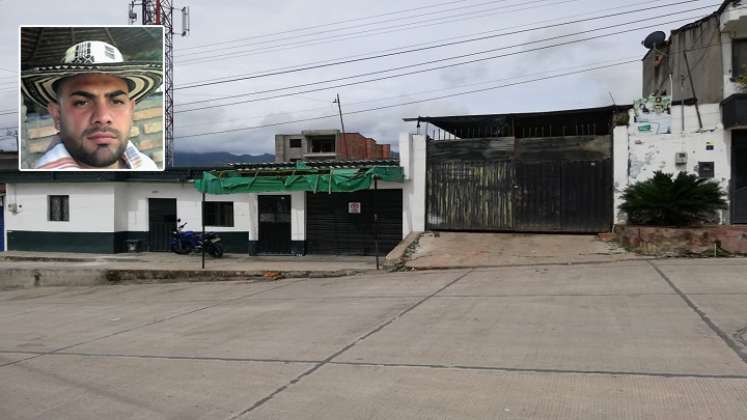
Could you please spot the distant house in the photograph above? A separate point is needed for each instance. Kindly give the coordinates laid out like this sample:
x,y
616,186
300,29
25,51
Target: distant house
x,y
328,145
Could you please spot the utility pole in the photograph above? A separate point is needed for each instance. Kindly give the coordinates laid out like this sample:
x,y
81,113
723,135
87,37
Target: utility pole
x,y
161,12
342,124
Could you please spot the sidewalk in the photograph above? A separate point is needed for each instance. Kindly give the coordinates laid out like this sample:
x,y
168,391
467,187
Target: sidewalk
x,y
30,269
443,250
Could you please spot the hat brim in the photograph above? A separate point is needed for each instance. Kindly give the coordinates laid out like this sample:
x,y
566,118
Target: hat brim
x,y
143,78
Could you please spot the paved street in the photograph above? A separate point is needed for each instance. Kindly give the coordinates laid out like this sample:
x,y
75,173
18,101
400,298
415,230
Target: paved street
x,y
625,340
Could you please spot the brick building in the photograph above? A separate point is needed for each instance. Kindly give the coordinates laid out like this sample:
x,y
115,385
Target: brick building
x,y
328,145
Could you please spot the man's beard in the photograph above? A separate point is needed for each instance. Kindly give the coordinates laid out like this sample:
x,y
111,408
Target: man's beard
x,y
102,156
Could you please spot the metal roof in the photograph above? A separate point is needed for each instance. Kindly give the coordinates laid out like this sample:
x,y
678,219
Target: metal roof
x,y
183,174
318,164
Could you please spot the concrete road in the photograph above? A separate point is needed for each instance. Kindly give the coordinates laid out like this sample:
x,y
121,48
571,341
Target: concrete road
x,y
626,340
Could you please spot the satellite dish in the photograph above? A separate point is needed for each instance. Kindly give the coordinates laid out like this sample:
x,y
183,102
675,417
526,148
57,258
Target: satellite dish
x,y
654,40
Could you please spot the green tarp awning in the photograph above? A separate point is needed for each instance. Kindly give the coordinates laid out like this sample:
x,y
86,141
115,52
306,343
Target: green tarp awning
x,y
302,178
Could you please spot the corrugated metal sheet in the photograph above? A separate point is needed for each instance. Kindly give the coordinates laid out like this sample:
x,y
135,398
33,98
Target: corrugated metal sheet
x,y
560,184
471,195
563,196
331,229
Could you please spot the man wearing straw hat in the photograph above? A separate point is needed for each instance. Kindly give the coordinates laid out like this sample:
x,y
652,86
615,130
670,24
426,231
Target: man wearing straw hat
x,y
91,96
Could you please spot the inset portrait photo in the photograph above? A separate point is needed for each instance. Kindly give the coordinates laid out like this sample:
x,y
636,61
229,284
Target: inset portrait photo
x,y
91,98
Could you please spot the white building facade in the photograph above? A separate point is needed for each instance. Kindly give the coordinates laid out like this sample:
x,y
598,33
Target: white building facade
x,y
107,212
703,130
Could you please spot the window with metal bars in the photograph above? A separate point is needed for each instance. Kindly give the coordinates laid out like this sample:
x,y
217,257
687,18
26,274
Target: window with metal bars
x,y
59,208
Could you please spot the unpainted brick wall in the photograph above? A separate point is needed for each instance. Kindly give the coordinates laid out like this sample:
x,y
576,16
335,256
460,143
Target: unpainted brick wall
x,y
146,133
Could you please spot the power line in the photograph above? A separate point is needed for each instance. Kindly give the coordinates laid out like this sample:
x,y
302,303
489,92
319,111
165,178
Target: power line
x,y
358,34
441,45
437,67
357,28
325,24
416,45
304,110
409,102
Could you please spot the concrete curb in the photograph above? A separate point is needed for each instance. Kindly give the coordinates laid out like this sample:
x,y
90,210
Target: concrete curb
x,y
540,264
396,258
13,278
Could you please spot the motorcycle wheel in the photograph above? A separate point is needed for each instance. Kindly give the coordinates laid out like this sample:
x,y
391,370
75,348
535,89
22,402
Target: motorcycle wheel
x,y
181,247
216,250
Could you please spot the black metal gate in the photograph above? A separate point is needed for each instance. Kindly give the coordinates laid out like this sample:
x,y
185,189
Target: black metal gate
x,y
342,223
739,176
161,223
529,185
563,196
274,224
470,195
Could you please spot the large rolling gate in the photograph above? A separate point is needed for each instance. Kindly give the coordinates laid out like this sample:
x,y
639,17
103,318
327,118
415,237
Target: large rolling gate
x,y
544,172
334,226
520,193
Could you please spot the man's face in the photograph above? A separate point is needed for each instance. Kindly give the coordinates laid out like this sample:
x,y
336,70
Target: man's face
x,y
94,116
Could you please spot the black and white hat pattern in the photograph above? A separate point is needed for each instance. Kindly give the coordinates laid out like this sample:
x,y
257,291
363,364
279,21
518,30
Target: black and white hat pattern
x,y
91,57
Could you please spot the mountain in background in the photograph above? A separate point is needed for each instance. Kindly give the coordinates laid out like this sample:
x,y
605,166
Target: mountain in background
x,y
218,159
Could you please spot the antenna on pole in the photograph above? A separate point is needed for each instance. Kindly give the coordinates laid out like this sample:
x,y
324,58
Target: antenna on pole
x,y
342,124
161,12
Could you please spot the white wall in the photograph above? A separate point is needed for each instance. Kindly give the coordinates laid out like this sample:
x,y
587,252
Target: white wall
x,y
645,154
113,207
188,206
412,156
298,215
620,147
91,207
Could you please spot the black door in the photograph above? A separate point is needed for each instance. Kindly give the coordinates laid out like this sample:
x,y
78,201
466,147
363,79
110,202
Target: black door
x,y
563,196
739,176
343,223
274,224
161,223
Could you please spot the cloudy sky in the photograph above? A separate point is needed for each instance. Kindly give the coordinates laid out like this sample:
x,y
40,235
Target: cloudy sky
x,y
249,39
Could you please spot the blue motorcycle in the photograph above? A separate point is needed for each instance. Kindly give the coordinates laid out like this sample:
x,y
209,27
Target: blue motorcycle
x,y
185,242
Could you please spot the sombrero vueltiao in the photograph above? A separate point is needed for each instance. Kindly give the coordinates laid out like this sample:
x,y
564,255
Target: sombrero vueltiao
x,y
142,77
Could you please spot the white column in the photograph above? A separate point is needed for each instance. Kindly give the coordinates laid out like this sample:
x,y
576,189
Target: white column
x,y
620,153
412,155
253,217
298,216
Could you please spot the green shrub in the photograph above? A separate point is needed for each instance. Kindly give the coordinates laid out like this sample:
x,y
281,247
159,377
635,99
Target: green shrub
x,y
666,201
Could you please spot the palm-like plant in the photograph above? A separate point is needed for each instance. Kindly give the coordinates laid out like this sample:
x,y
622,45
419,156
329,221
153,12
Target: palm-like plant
x,y
666,201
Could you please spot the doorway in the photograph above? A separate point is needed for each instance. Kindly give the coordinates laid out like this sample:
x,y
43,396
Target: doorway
x,y
739,175
274,224
161,223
